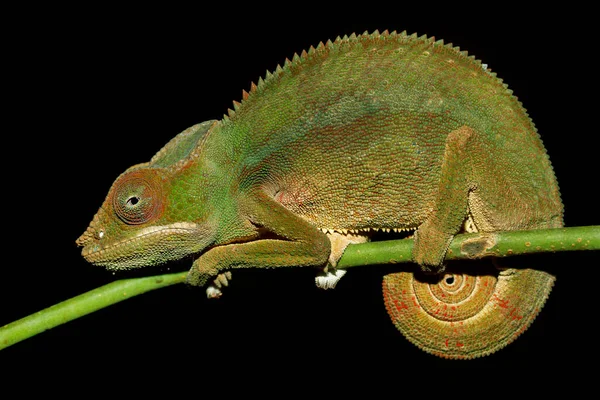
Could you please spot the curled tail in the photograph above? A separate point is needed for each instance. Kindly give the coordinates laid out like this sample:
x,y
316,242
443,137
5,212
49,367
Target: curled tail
x,y
465,316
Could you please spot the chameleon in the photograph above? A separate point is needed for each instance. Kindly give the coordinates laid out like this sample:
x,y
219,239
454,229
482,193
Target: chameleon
x,y
367,133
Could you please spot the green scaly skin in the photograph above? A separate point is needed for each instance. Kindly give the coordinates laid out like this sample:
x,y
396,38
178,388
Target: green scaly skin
x,y
370,132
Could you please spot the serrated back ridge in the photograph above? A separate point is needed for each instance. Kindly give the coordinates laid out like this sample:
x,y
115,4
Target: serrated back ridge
x,y
323,50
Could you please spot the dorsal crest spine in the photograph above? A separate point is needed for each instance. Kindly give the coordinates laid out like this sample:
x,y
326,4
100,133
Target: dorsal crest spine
x,y
323,49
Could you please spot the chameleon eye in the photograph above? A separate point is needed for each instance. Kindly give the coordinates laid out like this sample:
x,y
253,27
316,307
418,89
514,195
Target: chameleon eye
x,y
132,201
137,197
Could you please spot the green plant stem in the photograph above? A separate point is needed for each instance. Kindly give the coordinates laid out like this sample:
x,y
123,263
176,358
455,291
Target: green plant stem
x,y
478,245
465,246
83,304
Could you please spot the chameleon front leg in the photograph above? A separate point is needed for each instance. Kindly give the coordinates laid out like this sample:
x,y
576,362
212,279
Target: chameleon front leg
x,y
450,209
290,241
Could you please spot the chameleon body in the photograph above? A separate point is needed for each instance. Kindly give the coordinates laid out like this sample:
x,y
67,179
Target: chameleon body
x,y
367,133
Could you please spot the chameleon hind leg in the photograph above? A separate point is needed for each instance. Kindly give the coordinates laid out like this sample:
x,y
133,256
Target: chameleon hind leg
x,y
475,182
450,207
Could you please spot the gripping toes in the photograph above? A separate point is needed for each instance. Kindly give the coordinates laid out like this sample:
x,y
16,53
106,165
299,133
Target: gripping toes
x,y
201,273
213,291
430,247
328,279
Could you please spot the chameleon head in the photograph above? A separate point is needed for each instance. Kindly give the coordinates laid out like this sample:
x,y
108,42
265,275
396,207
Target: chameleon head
x,y
132,228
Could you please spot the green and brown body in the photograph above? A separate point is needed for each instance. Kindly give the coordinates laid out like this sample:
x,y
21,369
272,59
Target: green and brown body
x,y
381,131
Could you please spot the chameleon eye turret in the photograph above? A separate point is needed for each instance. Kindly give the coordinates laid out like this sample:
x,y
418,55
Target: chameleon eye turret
x,y
137,197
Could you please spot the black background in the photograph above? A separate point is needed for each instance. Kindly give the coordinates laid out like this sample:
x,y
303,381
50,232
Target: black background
x,y
94,92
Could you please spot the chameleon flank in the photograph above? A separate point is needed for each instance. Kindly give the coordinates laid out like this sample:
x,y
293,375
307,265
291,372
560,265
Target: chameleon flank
x,y
375,132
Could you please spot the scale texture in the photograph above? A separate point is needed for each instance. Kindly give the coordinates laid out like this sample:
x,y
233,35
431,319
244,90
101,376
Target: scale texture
x,y
367,133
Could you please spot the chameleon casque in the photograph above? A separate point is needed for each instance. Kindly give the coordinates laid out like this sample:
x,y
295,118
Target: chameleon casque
x,y
372,132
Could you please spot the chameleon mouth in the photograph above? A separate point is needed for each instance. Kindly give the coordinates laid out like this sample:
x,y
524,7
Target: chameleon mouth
x,y
151,246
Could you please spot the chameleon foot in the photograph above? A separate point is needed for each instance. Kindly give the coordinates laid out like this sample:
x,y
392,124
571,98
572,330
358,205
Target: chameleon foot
x,y
465,316
214,291
328,280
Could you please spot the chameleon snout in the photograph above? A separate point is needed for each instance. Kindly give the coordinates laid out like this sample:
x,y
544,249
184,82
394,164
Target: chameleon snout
x,y
85,239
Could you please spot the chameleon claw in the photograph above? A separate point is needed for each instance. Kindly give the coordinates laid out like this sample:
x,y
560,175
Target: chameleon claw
x,y
328,280
213,292
222,280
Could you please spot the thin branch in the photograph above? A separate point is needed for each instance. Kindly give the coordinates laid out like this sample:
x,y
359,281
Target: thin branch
x,y
479,245
465,246
83,304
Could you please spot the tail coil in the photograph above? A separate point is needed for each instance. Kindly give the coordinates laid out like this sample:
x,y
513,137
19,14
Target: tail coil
x,y
465,316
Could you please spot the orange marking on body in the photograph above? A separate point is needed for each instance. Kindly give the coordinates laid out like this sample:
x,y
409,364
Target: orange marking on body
x,y
415,302
503,303
400,305
279,197
459,344
514,314
447,342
